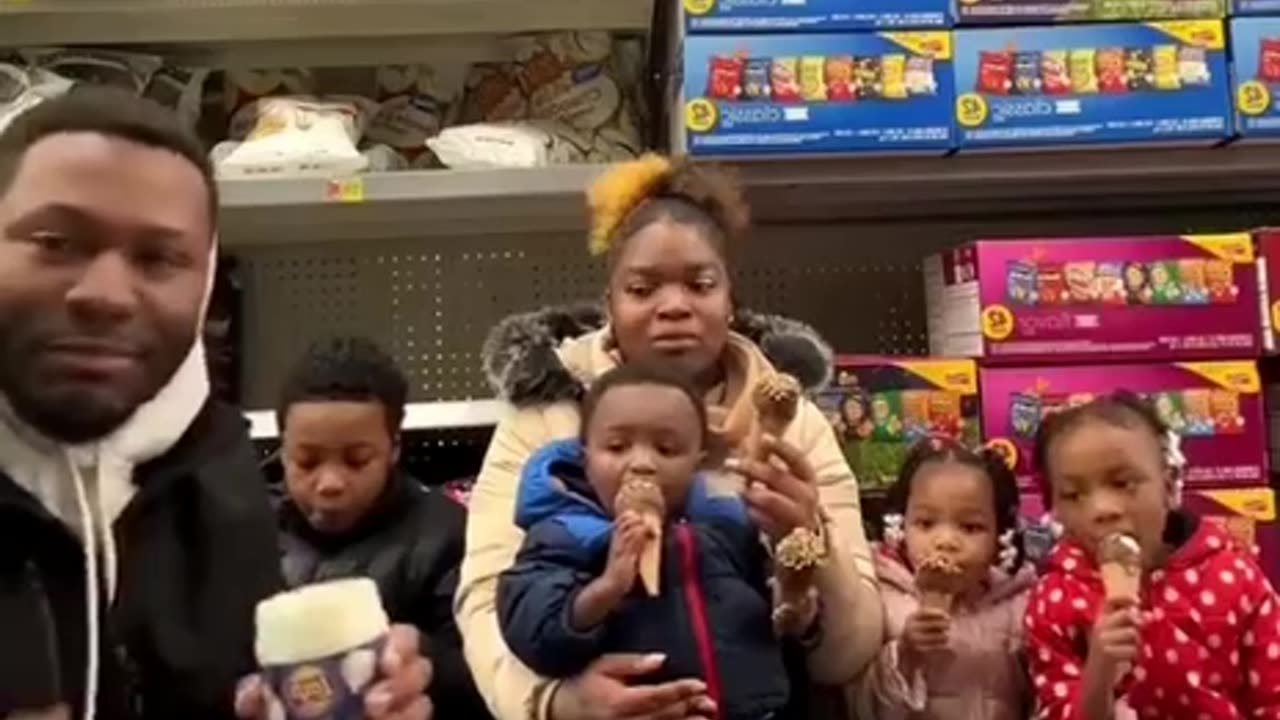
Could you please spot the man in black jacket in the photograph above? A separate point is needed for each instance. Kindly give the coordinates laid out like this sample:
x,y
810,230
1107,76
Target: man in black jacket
x,y
351,512
135,533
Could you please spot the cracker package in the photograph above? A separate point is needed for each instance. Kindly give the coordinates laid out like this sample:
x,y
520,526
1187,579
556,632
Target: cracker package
x,y
756,84
725,80
785,76
1056,78
893,75
1084,75
813,82
995,72
840,83
1165,67
1026,73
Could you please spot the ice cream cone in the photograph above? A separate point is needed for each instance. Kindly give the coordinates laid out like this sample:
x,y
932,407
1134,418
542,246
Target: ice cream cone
x,y
776,397
1120,564
651,556
643,496
938,581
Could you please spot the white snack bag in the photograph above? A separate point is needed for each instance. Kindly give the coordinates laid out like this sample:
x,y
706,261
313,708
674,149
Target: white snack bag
x,y
298,137
509,145
568,78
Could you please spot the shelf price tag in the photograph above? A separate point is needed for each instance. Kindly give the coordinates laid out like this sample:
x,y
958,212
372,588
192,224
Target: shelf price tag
x,y
347,190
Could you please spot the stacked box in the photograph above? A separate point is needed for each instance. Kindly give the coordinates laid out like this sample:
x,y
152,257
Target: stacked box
x,y
1255,53
1095,299
816,15
881,406
1268,246
817,93
1216,407
1076,85
1031,12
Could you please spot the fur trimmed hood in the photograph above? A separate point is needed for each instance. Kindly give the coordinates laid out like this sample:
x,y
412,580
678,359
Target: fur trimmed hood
x,y
523,366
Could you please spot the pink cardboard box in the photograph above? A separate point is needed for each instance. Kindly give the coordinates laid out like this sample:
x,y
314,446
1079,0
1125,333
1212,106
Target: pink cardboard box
x,y
1135,298
1247,514
1215,406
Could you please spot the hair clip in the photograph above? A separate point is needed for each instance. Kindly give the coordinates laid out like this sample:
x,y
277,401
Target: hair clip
x,y
1007,558
893,529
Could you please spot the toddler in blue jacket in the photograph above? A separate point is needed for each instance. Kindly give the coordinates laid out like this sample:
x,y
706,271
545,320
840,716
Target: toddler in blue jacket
x,y
572,594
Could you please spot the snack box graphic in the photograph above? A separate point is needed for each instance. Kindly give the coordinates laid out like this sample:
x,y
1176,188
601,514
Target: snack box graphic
x,y
1216,408
1039,12
1100,299
1091,84
811,15
806,94
1246,514
881,406
1255,53
1268,245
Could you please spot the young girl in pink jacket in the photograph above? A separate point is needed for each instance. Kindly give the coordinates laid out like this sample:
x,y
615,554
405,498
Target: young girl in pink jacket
x,y
954,589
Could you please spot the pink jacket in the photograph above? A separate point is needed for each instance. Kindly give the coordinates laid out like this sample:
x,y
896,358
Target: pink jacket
x,y
982,678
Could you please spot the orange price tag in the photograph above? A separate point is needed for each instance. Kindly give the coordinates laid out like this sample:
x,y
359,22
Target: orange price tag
x,y
350,190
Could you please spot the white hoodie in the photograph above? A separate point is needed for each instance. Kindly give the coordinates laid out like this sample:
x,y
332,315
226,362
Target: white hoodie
x,y
88,486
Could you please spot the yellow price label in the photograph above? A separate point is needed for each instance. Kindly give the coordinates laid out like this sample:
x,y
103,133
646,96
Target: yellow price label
x,y
971,110
348,190
1253,98
699,7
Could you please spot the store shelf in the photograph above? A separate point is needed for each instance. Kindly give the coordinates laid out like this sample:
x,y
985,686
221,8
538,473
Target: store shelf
x,y
980,186
437,203
418,416
404,204
54,22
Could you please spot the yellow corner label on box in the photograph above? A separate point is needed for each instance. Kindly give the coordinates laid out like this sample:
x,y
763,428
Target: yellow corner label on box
x,y
1208,34
349,190
997,322
701,115
959,376
1253,98
1240,376
1257,503
936,45
699,7
1236,247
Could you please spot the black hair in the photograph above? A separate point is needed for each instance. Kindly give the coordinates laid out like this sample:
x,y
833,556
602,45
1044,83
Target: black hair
x,y
990,463
347,369
1121,408
633,374
108,111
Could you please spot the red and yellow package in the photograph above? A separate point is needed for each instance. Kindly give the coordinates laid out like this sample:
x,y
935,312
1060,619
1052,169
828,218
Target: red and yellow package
x,y
1112,77
813,81
893,75
1084,71
1054,75
725,79
1165,58
785,75
840,78
995,72
1269,60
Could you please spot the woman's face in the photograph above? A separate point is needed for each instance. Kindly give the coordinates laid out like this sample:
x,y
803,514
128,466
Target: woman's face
x,y
669,299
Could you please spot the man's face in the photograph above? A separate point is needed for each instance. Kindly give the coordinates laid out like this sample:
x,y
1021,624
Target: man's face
x,y
104,253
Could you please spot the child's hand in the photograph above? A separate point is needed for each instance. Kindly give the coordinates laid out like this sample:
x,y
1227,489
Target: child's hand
x,y
630,534
925,632
1115,641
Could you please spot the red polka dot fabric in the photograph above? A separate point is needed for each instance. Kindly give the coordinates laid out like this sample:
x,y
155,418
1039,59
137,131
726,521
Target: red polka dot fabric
x,y
1210,638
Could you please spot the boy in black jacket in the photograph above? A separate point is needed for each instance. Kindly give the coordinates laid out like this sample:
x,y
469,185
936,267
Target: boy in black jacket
x,y
351,512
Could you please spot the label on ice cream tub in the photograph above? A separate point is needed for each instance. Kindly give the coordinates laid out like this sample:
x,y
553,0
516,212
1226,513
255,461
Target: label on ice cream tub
x,y
329,688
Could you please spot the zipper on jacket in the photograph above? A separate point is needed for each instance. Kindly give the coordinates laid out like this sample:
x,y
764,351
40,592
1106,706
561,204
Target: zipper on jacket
x,y
697,603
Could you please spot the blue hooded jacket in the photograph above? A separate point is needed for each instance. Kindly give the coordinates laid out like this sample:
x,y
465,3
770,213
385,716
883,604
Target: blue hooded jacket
x,y
711,618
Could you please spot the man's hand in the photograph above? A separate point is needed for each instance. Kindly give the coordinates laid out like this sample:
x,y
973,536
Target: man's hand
x,y
399,694
604,692
925,632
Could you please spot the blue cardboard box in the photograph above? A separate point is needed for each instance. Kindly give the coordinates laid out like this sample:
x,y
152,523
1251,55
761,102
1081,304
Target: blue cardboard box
x,y
1089,84
1033,12
810,15
810,94
1255,52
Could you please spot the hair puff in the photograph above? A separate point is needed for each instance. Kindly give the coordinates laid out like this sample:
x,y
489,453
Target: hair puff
x,y
620,190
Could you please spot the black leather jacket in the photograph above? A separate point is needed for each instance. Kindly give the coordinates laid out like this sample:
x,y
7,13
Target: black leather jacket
x,y
411,545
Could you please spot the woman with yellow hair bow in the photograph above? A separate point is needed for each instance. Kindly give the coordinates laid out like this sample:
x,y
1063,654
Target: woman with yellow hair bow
x,y
667,229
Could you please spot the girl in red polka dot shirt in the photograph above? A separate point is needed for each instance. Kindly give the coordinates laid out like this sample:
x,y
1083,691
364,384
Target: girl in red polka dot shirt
x,y
1202,639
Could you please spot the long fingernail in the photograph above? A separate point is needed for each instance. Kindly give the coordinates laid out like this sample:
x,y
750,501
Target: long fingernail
x,y
654,659
705,705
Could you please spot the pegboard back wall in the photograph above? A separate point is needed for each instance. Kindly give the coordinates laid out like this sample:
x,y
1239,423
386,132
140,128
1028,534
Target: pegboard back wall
x,y
431,302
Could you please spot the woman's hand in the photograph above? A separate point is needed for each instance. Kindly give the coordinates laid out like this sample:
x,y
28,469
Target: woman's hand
x,y
782,494
604,692
399,695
